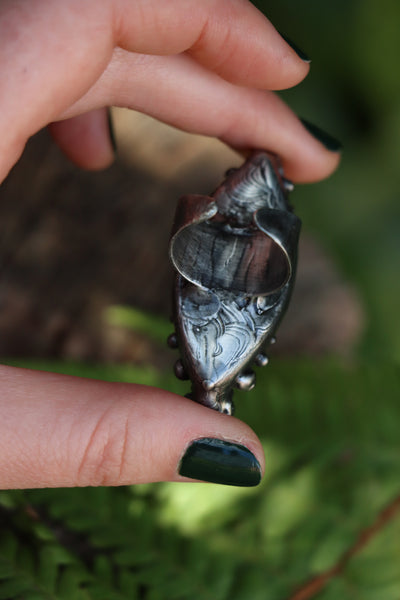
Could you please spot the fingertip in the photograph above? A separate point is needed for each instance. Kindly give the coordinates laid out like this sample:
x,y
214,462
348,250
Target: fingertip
x,y
87,140
298,51
326,139
320,159
313,167
292,64
209,446
153,435
243,47
220,461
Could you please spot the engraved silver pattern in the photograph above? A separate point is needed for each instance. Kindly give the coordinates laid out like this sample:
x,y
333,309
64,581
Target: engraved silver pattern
x,y
235,255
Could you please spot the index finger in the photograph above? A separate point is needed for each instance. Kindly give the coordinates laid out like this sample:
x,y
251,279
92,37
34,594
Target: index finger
x,y
52,53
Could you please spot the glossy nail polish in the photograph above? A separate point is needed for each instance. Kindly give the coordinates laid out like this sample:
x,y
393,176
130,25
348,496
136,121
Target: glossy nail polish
x,y
111,131
219,461
326,139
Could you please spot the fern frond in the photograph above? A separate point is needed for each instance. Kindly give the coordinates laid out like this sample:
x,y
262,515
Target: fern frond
x,y
332,450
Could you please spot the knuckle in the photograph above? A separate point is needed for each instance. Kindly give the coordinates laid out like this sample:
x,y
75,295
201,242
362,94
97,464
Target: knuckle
x,y
103,461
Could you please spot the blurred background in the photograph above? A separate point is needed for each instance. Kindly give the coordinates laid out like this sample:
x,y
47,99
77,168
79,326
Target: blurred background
x,y
84,289
354,90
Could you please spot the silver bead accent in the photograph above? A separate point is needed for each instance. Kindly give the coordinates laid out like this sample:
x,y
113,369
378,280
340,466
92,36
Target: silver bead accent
x,y
246,381
261,360
288,185
226,407
172,341
180,371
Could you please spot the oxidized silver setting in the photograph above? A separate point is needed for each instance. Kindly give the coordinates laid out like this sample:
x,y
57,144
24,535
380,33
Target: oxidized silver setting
x,y
235,255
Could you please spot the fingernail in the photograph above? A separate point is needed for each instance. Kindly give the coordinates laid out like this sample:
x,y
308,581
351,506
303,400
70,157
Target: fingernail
x,y
111,131
326,139
294,47
218,461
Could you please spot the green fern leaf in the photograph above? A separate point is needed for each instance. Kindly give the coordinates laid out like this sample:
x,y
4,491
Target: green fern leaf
x,y
332,466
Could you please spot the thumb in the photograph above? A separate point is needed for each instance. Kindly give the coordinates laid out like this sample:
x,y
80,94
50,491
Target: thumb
x,y
62,431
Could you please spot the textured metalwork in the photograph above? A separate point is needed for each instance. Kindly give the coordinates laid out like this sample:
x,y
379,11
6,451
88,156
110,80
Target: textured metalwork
x,y
235,255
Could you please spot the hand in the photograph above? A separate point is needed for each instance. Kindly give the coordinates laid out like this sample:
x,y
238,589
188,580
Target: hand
x,y
206,67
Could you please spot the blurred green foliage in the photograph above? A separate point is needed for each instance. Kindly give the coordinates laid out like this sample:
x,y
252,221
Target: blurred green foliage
x,y
330,431
156,328
332,465
353,91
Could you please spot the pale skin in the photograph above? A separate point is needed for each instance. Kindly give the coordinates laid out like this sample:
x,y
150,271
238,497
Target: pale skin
x,y
207,67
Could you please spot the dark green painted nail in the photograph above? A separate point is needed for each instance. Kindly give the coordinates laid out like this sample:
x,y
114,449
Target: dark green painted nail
x,y
111,130
218,461
326,139
298,51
